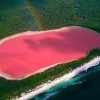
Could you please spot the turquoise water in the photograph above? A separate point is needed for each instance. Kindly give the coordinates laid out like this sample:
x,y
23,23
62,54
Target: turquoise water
x,y
84,86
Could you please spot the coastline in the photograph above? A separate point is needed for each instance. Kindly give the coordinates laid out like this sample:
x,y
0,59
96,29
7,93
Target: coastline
x,y
66,77
44,82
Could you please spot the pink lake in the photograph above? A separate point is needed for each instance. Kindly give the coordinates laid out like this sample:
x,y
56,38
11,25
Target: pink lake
x,y
27,54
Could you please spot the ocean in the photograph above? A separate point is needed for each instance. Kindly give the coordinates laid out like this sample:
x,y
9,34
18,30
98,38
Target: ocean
x,y
84,86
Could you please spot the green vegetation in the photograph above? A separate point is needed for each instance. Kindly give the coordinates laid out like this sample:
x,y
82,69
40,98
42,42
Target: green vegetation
x,y
13,88
60,13
16,17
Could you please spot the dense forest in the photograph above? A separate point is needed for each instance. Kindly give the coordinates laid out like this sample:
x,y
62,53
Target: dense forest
x,y
60,13
13,88
24,15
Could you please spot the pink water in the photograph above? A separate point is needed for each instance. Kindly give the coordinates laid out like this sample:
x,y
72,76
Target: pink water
x,y
23,55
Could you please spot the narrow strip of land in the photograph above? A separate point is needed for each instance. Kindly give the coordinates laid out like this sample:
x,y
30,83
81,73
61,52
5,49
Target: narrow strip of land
x,y
66,77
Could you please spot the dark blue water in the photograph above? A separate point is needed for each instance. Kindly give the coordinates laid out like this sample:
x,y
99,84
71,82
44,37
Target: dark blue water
x,y
84,86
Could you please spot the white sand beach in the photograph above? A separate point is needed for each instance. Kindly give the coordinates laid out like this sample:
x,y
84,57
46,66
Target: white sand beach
x,y
66,77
